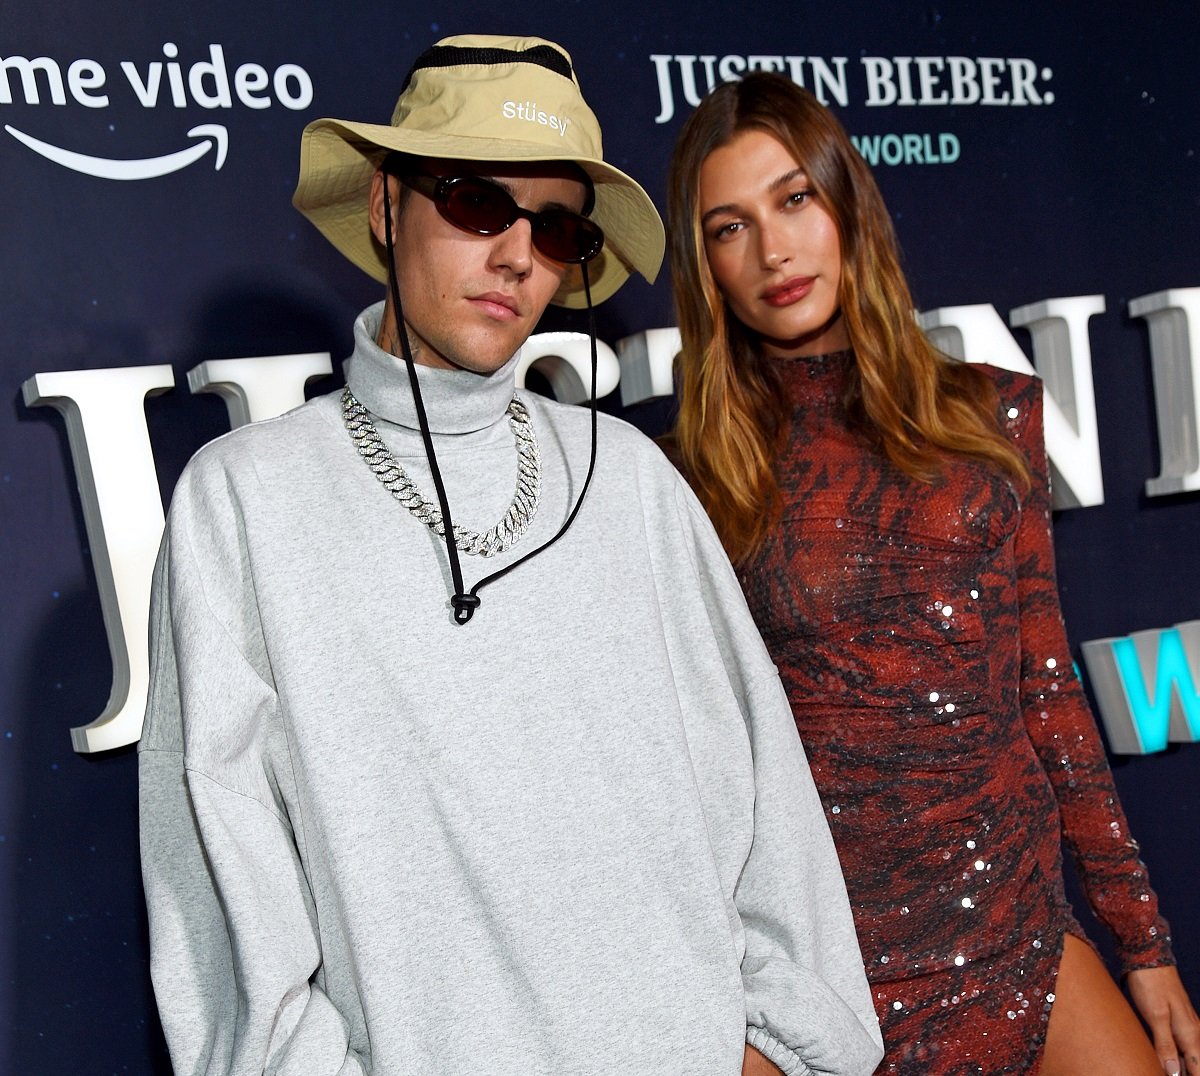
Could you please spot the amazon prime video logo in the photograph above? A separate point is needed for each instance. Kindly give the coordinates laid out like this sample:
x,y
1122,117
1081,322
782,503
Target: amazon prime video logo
x,y
209,84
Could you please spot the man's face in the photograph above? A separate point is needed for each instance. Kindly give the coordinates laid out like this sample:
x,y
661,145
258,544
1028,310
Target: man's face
x,y
470,301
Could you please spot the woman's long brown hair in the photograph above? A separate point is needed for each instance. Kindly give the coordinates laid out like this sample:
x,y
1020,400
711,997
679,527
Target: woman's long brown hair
x,y
907,397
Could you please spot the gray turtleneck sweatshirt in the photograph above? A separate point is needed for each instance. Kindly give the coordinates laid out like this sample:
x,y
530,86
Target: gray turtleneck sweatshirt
x,y
574,836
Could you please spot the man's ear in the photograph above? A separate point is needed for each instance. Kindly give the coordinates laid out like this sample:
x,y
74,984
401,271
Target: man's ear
x,y
375,205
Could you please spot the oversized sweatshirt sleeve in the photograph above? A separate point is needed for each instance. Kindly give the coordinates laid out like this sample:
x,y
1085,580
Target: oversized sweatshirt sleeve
x,y
808,1005
1063,730
235,949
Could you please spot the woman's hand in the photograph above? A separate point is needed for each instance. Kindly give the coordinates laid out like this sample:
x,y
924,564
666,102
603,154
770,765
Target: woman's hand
x,y
754,1064
1163,1003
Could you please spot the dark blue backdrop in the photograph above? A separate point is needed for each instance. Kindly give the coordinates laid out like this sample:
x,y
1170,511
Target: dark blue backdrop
x,y
1094,193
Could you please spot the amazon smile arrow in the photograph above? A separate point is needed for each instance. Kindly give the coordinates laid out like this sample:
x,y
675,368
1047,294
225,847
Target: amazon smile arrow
x,y
212,134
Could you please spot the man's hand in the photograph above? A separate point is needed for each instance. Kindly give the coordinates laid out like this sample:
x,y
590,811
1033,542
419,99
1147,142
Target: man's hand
x,y
754,1064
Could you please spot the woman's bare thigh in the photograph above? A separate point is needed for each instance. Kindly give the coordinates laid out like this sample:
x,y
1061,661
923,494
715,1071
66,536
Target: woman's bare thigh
x,y
1092,1027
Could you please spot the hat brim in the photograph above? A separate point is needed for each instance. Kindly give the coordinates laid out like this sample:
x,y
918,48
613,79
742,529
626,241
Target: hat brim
x,y
339,157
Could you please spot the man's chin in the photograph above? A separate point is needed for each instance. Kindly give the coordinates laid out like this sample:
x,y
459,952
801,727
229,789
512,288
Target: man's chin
x,y
488,355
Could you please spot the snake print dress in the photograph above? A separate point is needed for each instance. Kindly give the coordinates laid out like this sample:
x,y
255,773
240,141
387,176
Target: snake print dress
x,y
918,633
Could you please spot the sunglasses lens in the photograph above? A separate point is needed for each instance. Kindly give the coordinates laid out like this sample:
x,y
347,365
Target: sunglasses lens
x,y
485,209
479,207
566,237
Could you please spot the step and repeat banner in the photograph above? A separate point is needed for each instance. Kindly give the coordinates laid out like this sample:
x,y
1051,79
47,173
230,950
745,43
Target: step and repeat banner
x,y
1043,171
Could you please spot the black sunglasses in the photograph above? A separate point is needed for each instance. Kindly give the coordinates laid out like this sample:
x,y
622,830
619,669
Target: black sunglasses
x,y
483,208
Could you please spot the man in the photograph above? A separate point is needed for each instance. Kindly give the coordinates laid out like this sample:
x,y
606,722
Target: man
x,y
392,827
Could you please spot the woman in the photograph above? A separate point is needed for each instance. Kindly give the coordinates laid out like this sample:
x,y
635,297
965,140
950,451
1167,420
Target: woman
x,y
889,513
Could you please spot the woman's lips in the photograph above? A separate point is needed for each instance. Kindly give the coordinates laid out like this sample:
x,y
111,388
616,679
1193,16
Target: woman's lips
x,y
790,291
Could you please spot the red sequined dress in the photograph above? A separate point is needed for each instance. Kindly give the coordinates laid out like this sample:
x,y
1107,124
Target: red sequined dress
x,y
918,633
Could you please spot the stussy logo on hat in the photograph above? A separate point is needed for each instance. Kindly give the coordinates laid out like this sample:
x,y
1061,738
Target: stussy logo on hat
x,y
528,111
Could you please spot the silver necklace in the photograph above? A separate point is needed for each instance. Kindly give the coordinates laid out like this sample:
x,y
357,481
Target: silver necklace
x,y
395,479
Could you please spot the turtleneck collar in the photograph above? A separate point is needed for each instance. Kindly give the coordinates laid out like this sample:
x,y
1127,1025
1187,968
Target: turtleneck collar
x,y
808,378
456,401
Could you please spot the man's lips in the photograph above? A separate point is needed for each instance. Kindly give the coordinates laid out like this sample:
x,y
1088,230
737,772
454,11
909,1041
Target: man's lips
x,y
790,291
498,305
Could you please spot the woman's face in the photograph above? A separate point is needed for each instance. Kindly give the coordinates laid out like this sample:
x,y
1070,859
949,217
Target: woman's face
x,y
772,248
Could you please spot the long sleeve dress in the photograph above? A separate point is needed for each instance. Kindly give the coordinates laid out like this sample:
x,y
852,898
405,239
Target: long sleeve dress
x,y
917,630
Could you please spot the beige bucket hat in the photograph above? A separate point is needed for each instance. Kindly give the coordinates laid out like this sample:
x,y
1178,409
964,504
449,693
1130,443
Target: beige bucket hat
x,y
481,98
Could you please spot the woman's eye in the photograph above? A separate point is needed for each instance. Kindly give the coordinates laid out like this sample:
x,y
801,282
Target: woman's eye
x,y
725,231
799,197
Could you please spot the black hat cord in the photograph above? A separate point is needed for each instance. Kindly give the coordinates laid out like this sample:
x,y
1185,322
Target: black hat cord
x,y
465,604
